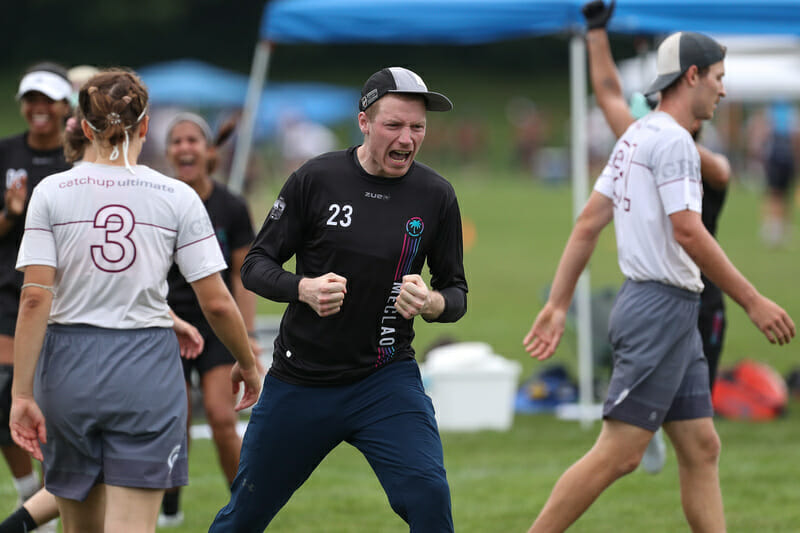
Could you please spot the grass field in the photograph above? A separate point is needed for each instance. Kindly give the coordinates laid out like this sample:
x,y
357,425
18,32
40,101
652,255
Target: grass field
x,y
500,479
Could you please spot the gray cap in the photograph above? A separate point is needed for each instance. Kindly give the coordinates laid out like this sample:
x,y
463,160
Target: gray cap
x,y
680,51
400,80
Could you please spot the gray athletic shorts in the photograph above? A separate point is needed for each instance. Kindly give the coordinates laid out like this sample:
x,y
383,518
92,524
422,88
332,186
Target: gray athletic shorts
x,y
660,373
115,407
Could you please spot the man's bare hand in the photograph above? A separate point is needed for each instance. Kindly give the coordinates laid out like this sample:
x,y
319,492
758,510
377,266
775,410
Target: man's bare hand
x,y
545,333
772,320
324,294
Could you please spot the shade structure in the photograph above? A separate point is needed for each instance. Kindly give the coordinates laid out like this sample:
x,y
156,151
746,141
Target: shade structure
x,y
470,22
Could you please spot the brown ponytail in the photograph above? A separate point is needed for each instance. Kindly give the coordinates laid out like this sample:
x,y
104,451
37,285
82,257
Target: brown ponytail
x,y
112,102
75,141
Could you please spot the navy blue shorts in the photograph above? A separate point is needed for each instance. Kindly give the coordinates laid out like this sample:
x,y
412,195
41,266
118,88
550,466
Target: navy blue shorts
x,y
386,416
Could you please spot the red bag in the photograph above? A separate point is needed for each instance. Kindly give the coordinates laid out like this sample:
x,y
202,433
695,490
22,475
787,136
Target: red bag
x,y
750,391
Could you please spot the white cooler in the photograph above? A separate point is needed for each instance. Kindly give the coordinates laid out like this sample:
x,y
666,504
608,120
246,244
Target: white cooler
x,y
471,387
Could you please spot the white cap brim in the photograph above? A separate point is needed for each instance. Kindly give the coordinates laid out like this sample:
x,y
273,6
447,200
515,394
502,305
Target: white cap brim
x,y
48,83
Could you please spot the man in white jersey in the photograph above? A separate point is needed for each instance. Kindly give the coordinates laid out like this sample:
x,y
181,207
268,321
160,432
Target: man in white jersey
x,y
651,188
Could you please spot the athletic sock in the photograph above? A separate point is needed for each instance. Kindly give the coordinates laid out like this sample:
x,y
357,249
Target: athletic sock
x,y
27,486
20,521
171,502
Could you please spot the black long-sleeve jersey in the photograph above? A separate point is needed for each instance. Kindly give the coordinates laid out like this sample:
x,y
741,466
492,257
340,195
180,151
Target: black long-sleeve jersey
x,y
335,217
233,227
17,159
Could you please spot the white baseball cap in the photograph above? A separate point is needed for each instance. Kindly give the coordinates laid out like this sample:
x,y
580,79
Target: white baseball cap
x,y
48,83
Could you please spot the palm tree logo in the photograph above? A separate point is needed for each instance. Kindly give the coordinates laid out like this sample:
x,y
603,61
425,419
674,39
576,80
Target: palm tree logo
x,y
414,227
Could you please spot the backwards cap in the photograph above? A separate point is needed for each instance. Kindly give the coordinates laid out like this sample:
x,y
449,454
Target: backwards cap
x,y
400,80
680,51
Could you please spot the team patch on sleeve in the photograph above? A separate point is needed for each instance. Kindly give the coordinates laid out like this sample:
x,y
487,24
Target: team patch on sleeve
x,y
277,209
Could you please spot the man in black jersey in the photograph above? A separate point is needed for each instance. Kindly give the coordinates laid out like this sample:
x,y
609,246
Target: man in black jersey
x,y
25,159
714,168
361,223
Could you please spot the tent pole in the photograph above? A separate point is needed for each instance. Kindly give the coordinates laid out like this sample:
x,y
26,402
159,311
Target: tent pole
x,y
580,180
244,139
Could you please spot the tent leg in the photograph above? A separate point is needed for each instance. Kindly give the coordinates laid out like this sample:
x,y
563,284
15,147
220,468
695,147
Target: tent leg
x,y
244,139
580,180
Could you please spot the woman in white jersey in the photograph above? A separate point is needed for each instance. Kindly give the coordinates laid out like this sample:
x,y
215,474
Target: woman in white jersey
x,y
105,407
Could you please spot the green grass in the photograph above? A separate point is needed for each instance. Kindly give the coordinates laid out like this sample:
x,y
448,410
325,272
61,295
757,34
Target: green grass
x,y
500,480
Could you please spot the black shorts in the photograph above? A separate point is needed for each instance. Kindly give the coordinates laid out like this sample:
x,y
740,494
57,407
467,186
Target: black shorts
x,y
9,307
780,166
6,377
214,354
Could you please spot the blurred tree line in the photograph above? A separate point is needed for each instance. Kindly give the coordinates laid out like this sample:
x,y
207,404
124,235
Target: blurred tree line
x,y
128,33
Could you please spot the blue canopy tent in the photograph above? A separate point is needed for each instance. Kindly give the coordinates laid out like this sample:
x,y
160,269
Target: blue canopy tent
x,y
460,22
195,84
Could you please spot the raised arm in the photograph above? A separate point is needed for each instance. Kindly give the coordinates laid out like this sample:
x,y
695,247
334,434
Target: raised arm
x,y
603,73
13,205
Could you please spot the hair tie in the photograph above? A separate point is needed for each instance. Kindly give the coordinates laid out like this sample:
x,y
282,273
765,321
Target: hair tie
x,y
114,119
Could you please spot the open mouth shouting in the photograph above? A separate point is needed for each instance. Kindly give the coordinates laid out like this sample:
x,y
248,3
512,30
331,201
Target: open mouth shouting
x,y
400,156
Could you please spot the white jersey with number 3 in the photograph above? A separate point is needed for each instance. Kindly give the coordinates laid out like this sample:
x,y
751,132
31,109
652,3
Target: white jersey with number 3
x,y
112,236
654,171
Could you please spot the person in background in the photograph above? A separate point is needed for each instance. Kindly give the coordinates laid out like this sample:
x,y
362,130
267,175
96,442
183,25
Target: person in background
x,y
99,240
191,150
361,223
25,159
651,189
78,75
301,139
715,170
780,170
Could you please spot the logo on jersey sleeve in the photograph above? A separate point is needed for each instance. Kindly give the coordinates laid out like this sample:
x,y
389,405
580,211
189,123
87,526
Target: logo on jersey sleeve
x,y
277,209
